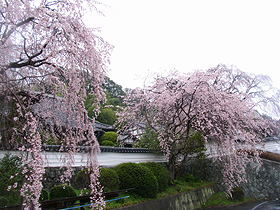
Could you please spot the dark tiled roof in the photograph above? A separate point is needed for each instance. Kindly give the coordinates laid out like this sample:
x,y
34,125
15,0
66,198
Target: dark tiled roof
x,y
57,148
104,127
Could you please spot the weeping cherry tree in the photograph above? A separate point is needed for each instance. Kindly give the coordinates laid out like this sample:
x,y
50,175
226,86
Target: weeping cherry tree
x,y
220,103
48,58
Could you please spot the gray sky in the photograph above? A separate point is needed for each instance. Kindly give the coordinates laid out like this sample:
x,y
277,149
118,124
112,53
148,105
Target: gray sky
x,y
158,35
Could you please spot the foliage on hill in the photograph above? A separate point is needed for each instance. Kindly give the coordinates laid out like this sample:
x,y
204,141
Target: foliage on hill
x,y
114,97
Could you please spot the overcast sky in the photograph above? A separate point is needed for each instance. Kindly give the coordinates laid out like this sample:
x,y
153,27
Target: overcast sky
x,y
157,35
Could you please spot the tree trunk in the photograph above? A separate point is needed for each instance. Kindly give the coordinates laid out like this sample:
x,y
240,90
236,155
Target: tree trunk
x,y
181,166
172,162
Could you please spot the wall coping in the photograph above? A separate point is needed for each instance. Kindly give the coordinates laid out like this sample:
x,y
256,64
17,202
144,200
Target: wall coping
x,y
61,148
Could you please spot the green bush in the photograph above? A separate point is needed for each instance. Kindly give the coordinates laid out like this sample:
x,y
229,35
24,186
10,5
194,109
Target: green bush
x,y
132,175
109,179
13,197
189,178
9,166
110,136
149,139
3,201
107,116
160,172
44,195
237,194
62,191
10,173
107,143
82,179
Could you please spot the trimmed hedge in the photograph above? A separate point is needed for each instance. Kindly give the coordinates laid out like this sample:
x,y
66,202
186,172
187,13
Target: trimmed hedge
x,y
44,195
9,166
110,136
160,172
189,178
132,175
62,191
82,179
3,201
107,143
109,179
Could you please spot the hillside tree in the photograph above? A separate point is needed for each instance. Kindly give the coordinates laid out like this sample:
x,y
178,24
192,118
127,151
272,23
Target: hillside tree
x,y
114,98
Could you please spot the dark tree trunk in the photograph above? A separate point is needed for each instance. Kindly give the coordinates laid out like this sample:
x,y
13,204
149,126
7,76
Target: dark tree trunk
x,y
172,169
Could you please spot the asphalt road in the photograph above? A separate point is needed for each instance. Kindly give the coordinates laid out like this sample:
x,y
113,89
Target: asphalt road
x,y
253,205
269,205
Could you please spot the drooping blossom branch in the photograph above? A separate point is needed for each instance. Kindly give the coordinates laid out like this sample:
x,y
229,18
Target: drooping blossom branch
x,y
33,164
48,61
218,103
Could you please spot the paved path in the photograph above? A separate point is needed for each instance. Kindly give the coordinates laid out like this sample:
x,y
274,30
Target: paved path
x,y
268,205
253,205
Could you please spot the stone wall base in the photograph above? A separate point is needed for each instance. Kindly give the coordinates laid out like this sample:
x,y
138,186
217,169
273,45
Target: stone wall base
x,y
184,201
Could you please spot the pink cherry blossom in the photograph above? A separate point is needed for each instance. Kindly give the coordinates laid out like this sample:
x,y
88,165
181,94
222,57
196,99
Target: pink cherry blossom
x,y
49,61
221,103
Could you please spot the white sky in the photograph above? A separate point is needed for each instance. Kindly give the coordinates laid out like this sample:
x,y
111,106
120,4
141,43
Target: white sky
x,y
156,35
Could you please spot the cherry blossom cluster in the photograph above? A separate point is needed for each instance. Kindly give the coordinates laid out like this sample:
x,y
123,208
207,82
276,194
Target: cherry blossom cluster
x,y
220,103
49,61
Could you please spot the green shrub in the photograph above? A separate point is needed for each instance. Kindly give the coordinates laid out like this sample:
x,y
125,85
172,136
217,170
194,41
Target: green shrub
x,y
200,167
9,167
107,143
110,136
44,195
189,178
107,116
109,179
3,201
13,197
160,172
132,175
237,194
82,179
149,139
62,191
